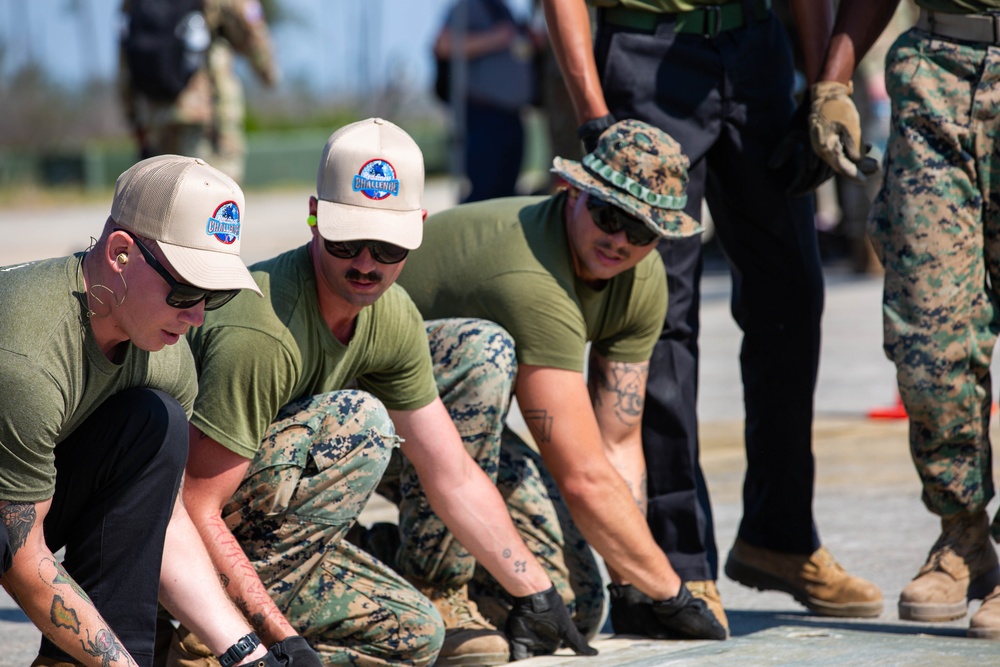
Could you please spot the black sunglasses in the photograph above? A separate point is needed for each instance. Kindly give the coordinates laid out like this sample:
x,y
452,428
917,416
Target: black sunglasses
x,y
382,252
611,220
182,295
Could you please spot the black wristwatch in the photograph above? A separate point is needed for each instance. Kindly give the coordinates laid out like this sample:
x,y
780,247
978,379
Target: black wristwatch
x,y
243,647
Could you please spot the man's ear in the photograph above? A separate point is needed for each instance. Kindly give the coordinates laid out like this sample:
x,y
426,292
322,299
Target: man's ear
x,y
312,205
424,212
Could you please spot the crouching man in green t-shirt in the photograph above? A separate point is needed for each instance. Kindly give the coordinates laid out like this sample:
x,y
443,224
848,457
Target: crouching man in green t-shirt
x,y
557,273
96,386
304,396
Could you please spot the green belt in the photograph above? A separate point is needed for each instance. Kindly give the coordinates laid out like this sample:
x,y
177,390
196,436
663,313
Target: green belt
x,y
707,20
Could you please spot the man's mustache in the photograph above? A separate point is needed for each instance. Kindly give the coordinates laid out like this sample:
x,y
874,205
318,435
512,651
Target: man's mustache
x,y
610,249
370,277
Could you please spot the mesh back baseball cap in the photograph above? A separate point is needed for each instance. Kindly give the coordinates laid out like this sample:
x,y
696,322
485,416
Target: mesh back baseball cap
x,y
193,211
370,185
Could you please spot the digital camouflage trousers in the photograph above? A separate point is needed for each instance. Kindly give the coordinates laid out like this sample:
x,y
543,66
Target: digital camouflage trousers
x,y
936,227
475,368
316,469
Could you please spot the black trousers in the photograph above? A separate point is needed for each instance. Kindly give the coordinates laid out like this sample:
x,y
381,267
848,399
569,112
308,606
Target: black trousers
x,y
494,149
728,100
117,476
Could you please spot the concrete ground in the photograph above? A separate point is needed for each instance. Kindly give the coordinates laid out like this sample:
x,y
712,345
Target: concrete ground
x,y
867,500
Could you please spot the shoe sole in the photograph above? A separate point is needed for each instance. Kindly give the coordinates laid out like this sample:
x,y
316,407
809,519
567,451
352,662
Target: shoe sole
x,y
937,612
752,577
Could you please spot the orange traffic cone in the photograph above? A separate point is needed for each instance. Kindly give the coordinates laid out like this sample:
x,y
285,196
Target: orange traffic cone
x,y
896,411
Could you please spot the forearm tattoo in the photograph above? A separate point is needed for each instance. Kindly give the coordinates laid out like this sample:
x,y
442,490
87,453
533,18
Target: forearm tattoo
x,y
19,518
540,424
620,386
639,495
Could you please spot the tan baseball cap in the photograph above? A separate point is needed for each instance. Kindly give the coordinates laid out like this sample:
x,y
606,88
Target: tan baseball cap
x,y
193,211
370,185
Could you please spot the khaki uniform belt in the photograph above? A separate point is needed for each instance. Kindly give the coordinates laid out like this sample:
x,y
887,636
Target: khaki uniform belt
x,y
707,20
967,27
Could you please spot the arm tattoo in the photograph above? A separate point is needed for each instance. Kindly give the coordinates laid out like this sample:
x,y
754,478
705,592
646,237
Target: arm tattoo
x,y
541,421
622,384
63,616
19,518
105,646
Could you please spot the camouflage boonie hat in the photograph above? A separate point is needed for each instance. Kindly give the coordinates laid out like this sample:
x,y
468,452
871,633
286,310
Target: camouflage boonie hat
x,y
641,170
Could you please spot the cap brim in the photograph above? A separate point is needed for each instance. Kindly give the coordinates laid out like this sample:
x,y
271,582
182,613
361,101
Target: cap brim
x,y
209,270
347,222
667,222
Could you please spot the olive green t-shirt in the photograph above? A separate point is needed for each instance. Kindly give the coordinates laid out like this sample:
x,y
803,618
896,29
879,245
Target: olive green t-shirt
x,y
508,260
255,356
53,375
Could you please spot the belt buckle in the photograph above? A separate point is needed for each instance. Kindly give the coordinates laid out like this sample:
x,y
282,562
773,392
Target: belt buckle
x,y
713,21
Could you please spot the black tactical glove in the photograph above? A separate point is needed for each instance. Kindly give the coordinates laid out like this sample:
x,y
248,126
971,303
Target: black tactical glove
x,y
681,617
295,652
795,155
591,131
539,624
267,661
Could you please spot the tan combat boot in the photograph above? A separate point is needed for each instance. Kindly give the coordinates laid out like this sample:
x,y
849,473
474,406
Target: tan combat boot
x,y
709,594
815,580
961,566
985,623
469,639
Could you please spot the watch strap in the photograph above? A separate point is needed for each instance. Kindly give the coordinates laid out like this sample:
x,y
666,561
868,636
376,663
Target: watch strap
x,y
243,647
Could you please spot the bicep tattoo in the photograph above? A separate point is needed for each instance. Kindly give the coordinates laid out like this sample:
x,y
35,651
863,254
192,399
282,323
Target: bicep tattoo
x,y
619,386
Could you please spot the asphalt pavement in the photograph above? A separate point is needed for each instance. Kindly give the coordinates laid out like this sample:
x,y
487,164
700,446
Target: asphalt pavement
x,y
867,504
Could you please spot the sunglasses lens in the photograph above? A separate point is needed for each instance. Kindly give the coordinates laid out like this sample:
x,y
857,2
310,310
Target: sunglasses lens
x,y
610,220
344,249
387,253
186,296
219,299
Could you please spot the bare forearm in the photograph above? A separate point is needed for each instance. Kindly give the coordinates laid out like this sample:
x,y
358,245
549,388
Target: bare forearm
x,y
607,515
477,515
190,588
859,24
63,612
570,36
241,582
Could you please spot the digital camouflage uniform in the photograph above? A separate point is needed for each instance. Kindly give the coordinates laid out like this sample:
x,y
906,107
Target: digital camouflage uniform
x,y
316,469
475,367
206,119
936,223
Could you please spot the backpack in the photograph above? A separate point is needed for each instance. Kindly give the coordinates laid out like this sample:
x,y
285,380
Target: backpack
x,y
164,44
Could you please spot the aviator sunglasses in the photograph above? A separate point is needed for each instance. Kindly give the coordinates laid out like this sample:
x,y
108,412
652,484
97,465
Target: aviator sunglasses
x,y
610,219
182,295
382,252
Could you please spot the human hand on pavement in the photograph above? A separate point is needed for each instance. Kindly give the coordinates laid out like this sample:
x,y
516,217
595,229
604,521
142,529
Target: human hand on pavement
x,y
795,153
539,624
295,652
680,617
835,130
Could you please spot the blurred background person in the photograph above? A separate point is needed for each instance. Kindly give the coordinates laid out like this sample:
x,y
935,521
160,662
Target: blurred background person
x,y
499,82
180,91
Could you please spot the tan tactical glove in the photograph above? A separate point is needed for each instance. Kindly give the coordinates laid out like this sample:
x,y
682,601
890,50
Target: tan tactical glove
x,y
835,130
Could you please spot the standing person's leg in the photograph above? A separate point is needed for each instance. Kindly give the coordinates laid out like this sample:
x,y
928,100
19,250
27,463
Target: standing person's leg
x,y
935,224
670,80
117,476
317,467
474,366
493,152
777,301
